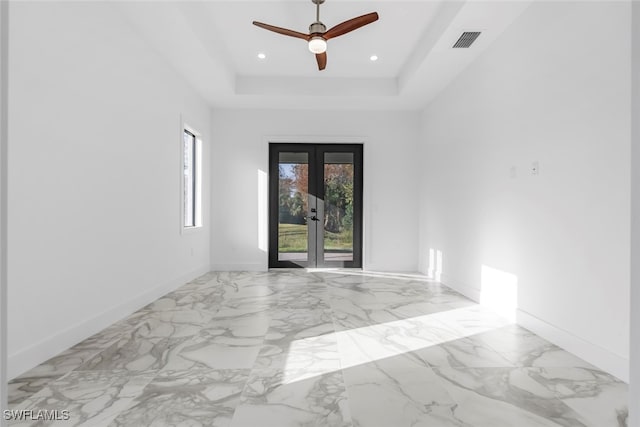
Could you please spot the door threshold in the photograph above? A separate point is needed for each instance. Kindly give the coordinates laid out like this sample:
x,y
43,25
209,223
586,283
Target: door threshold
x,y
316,269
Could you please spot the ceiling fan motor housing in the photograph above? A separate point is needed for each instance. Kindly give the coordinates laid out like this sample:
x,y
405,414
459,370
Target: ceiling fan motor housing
x,y
317,27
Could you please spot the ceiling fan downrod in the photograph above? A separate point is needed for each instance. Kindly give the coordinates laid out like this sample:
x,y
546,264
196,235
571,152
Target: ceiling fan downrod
x,y
317,3
318,26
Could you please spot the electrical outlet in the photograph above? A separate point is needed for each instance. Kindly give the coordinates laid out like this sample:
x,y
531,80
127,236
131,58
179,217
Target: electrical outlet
x,y
535,168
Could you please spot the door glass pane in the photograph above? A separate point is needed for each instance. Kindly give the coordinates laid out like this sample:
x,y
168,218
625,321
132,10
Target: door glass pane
x,y
338,206
293,200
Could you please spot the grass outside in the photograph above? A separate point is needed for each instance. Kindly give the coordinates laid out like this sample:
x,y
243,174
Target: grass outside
x,y
293,238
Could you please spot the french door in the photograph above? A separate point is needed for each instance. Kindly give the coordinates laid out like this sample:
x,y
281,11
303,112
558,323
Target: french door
x,y
315,205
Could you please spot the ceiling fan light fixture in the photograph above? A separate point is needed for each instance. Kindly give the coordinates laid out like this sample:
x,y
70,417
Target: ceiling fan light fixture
x,y
317,45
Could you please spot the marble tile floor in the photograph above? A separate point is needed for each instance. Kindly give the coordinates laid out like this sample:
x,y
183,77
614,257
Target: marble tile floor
x,y
321,348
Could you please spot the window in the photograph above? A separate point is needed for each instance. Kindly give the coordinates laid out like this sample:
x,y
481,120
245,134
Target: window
x,y
191,216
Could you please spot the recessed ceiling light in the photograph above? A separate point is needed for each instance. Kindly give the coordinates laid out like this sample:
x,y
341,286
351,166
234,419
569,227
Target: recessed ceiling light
x,y
373,57
261,55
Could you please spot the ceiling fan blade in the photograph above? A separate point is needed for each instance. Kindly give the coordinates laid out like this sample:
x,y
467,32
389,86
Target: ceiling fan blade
x,y
322,60
283,31
350,25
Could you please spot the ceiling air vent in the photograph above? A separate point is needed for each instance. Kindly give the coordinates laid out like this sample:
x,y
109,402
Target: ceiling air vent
x,y
466,39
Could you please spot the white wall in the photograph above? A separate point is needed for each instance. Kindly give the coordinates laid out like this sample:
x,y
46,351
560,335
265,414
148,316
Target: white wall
x,y
634,384
240,150
94,197
554,88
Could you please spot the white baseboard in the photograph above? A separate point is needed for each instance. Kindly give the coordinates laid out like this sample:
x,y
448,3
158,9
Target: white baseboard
x,y
239,267
410,268
27,358
604,359
468,291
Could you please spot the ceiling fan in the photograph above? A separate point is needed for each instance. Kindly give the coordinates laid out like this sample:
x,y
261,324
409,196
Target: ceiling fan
x,y
318,34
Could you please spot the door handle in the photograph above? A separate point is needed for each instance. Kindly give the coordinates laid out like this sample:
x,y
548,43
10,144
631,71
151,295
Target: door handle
x,y
314,218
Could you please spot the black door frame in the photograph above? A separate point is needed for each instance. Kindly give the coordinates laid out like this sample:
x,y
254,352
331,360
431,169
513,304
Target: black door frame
x,y
316,188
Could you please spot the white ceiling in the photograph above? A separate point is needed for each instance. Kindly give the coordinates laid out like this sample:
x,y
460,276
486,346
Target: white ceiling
x,y
214,45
